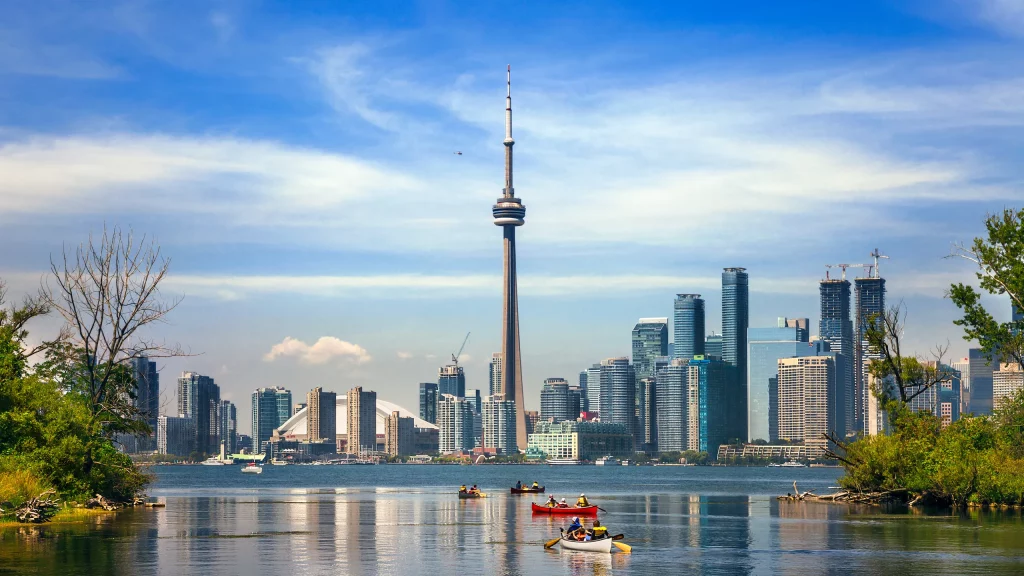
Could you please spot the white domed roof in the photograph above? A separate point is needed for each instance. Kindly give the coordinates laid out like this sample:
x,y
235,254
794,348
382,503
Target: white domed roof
x,y
296,425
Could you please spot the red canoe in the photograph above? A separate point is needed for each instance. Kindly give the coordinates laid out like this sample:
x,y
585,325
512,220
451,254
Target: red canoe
x,y
571,510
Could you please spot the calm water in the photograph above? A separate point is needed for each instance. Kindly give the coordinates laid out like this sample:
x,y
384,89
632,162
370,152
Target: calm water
x,y
407,520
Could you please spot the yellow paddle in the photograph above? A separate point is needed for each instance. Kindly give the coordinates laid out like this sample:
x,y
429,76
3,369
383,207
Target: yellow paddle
x,y
626,548
548,545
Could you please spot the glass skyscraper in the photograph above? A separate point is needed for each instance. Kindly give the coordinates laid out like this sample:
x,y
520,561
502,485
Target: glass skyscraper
x,y
451,380
713,346
708,404
735,321
554,400
494,374
836,329
647,408
671,407
618,394
766,346
267,415
594,388
688,326
198,397
428,402
147,398
870,301
650,341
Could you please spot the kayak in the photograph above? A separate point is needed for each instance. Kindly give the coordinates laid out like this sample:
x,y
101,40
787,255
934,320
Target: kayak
x,y
602,545
570,510
527,490
465,495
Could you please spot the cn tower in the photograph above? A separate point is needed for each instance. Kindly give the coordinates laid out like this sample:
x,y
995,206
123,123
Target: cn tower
x,y
509,213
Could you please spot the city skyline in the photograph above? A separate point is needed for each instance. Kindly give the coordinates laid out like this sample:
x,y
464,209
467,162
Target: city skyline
x,y
326,234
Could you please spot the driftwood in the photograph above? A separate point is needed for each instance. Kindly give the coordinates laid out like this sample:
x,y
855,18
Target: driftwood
x,y
883,497
39,509
100,502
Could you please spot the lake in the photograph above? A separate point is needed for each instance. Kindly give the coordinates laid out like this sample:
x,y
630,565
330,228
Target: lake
x,y
406,519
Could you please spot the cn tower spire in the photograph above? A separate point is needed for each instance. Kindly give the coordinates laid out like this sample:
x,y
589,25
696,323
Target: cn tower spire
x,y
509,142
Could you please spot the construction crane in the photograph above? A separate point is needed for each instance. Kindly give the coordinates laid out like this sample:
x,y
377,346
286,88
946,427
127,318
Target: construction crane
x,y
876,255
867,269
455,357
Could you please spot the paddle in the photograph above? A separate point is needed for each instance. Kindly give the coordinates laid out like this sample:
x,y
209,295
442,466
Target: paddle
x,y
618,537
626,548
551,543
601,509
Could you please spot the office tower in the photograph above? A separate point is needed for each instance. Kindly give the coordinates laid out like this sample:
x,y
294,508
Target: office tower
x,y
451,379
735,321
298,408
765,347
428,402
802,326
266,414
227,426
963,368
321,415
707,405
509,213
647,408
688,326
671,406
650,341
494,374
869,303
362,421
836,329
198,397
618,393
1006,381
476,399
499,424
455,424
175,435
980,373
398,435
577,397
593,388
147,399
713,346
554,400
806,396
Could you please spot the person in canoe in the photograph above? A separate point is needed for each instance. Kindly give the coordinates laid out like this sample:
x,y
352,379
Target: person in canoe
x,y
582,502
575,525
535,485
551,503
462,489
474,490
519,484
598,531
562,504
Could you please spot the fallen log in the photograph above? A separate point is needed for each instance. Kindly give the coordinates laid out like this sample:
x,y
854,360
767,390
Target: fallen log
x,y
37,510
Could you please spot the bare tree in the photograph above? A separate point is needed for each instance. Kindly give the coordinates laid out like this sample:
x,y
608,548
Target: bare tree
x,y
910,376
14,318
107,290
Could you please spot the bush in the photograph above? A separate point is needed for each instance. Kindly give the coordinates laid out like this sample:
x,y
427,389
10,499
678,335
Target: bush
x,y
18,484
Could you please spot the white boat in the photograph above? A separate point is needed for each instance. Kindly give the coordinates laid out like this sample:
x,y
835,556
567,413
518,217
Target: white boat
x,y
252,468
213,461
626,463
789,464
602,545
606,461
277,462
562,461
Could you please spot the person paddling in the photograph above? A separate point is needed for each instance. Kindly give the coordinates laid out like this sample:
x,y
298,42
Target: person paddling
x,y
462,489
551,503
582,502
562,504
519,484
535,485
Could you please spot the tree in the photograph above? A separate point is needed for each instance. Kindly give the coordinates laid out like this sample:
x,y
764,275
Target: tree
x,y
1000,262
107,291
906,377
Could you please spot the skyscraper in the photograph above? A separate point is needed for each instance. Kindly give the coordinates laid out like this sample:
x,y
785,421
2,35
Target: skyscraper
x,y
713,346
802,326
227,426
321,415
577,401
147,400
175,435
499,424
671,407
428,402
451,379
266,414
870,303
618,394
593,388
509,213
650,341
398,435
554,400
1006,381
494,374
766,346
806,396
198,397
647,409
981,382
707,407
688,326
735,321
455,424
836,329
362,421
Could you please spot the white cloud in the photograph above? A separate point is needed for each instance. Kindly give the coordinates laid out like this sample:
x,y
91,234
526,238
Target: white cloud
x,y
403,355
324,350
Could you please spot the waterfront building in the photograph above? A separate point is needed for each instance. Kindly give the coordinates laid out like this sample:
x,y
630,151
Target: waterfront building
x,y
244,443
227,426
735,321
618,393
765,347
176,435
836,328
198,397
1006,381
509,213
688,326
297,427
428,402
771,451
426,440
455,424
647,408
707,404
807,388
451,379
532,417
671,406
147,399
266,413
554,401
869,303
650,341
580,440
499,425
362,421
713,346
593,388
322,417
399,435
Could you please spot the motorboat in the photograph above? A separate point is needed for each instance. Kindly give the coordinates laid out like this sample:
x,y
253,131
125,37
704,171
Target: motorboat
x,y
566,510
213,461
790,464
277,462
252,468
607,461
562,461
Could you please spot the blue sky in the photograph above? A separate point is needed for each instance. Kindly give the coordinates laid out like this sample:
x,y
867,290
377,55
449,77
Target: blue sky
x,y
296,162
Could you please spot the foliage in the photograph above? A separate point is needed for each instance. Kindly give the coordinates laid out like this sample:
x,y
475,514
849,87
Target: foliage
x,y
18,485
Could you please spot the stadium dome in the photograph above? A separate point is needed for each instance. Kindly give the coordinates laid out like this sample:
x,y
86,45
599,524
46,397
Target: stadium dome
x,y
296,425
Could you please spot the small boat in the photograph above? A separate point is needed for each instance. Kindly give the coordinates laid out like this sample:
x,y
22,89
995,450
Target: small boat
x,y
471,495
213,461
277,462
527,490
606,461
602,545
568,510
252,468
626,463
562,461
790,464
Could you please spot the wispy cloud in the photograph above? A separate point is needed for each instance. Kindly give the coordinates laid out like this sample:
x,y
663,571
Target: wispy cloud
x,y
324,350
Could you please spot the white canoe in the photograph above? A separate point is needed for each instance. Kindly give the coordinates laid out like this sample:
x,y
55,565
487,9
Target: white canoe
x,y
603,545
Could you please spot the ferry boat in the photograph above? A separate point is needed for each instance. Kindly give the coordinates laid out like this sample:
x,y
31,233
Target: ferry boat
x,y
277,462
252,468
213,461
562,461
790,464
625,463
606,461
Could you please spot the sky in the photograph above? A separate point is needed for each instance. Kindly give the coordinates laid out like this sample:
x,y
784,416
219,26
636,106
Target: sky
x,y
296,162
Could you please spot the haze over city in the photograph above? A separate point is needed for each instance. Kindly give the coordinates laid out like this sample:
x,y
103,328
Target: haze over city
x,y
302,170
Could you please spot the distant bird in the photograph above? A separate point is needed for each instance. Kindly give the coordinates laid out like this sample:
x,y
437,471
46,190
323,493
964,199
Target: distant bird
x,y
459,153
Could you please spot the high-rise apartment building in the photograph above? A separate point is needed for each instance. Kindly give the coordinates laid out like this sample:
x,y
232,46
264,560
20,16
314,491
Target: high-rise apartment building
x,y
577,401
175,435
593,388
671,402
499,424
650,341
554,400
688,326
713,346
266,414
198,397
980,378
806,397
618,393
707,404
647,411
321,415
362,421
836,328
765,347
451,379
147,399
455,424
227,426
1006,381
399,437
869,304
494,374
428,402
